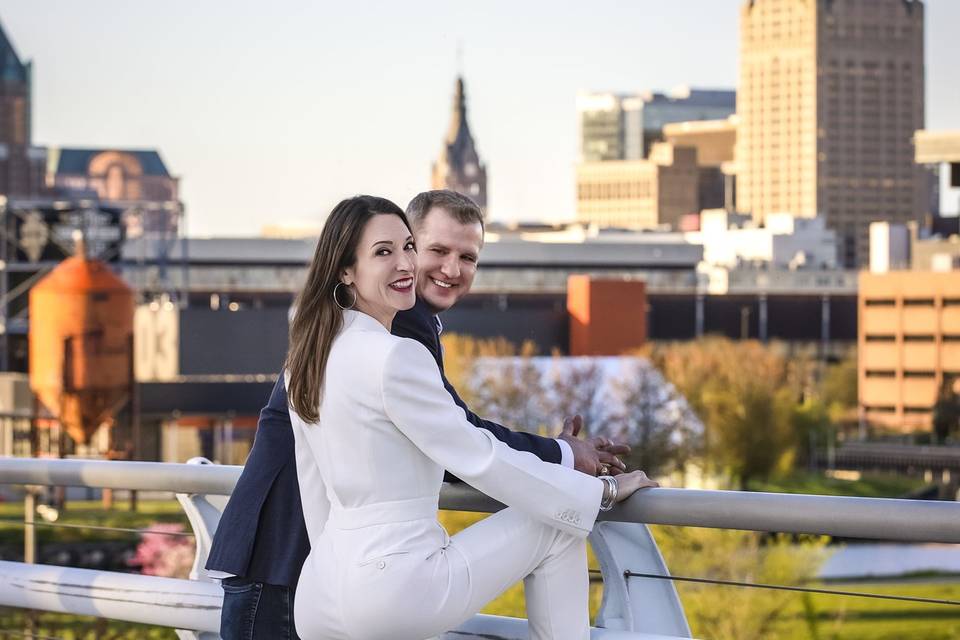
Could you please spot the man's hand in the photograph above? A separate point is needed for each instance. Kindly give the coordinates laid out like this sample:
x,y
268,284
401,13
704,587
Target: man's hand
x,y
610,455
597,456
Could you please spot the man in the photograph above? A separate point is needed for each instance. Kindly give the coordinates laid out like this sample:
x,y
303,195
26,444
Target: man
x,y
262,540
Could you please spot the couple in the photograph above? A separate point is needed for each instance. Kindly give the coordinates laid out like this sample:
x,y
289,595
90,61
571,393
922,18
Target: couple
x,y
339,495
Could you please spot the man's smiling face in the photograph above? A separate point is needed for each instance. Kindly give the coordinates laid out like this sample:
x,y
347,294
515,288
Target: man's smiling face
x,y
447,255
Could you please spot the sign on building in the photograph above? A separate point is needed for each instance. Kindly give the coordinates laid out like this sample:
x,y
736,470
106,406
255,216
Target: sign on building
x,y
156,342
46,233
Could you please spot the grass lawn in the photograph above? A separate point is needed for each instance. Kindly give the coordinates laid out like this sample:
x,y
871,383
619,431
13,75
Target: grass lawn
x,y
90,512
850,618
67,627
876,485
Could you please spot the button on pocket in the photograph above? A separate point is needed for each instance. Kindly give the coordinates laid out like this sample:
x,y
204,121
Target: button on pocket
x,y
381,561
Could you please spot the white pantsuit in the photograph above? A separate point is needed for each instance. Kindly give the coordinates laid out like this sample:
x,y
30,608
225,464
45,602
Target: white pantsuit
x,y
370,471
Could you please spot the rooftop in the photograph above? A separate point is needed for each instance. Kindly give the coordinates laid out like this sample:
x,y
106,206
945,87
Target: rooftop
x,y
659,250
605,100
77,161
933,147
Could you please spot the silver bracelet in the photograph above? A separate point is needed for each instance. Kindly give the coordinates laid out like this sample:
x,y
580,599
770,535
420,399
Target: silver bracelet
x,y
611,489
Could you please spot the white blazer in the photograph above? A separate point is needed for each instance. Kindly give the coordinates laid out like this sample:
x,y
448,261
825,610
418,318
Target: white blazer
x,y
371,469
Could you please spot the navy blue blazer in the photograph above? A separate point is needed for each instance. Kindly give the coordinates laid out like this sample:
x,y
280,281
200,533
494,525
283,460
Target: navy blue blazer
x,y
261,535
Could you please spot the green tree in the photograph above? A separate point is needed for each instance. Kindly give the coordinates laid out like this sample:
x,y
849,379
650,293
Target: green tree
x,y
729,612
750,421
741,393
838,390
946,411
810,427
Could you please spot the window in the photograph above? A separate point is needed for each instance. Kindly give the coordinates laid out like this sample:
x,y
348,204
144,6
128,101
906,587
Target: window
x,y
877,373
919,374
879,302
880,338
917,409
880,408
918,338
918,302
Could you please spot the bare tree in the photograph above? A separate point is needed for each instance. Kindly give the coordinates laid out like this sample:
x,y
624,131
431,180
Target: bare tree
x,y
572,387
510,390
651,416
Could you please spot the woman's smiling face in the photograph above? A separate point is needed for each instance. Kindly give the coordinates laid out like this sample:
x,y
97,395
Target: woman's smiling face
x,y
383,276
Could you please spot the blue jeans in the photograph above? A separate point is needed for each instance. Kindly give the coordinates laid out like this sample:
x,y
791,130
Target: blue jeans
x,y
256,611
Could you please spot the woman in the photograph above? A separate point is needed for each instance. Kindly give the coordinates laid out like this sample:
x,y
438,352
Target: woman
x,y
374,431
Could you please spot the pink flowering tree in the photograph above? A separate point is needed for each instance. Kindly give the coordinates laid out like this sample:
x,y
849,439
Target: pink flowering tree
x,y
162,554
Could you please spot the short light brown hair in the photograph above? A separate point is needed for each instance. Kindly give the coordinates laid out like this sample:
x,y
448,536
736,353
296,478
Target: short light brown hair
x,y
461,207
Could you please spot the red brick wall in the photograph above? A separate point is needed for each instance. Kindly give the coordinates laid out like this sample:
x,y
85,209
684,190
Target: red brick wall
x,y
607,316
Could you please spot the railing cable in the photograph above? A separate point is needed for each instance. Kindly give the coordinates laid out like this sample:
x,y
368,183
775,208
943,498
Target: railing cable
x,y
93,527
779,587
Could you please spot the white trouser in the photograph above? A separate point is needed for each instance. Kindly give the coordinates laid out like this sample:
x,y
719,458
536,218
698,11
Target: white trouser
x,y
508,546
417,593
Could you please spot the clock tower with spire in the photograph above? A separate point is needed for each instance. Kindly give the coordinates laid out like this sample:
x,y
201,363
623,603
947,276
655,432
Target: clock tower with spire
x,y
22,166
459,167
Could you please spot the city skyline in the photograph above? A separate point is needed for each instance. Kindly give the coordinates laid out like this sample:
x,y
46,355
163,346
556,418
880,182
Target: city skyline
x,y
243,114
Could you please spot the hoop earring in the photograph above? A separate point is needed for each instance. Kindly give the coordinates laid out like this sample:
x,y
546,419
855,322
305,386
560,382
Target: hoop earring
x,y
336,300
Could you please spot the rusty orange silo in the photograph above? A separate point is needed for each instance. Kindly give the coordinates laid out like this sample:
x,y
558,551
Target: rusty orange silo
x,y
81,328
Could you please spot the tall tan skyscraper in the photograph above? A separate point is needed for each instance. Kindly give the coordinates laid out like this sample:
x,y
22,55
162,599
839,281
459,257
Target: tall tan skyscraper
x,y
830,94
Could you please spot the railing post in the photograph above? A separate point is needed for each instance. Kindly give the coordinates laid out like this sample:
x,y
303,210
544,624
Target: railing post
x,y
29,526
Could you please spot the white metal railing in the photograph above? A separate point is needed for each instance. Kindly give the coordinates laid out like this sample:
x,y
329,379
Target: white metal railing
x,y
649,609
848,517
185,604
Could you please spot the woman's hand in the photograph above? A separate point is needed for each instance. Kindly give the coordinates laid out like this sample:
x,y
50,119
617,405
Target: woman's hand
x,y
628,483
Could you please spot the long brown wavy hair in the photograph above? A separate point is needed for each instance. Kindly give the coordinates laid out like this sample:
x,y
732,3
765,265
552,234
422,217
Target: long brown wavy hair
x,y
317,318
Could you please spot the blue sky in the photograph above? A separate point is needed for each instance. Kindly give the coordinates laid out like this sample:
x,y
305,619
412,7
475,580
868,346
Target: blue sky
x,y
272,112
